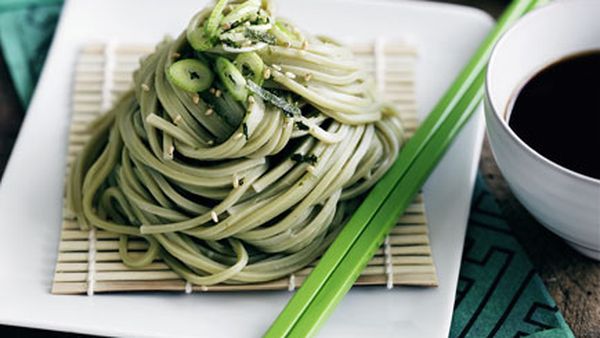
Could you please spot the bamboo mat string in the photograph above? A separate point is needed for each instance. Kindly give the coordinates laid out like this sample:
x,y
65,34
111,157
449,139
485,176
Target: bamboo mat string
x,y
389,268
292,283
109,69
91,277
379,58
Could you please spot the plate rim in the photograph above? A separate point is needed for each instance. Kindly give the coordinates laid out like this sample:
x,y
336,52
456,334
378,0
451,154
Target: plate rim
x,y
476,13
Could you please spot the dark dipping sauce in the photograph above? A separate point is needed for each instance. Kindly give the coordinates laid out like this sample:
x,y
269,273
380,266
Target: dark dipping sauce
x,y
557,113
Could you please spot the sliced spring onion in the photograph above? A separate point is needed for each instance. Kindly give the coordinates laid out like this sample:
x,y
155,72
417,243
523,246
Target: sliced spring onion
x,y
283,34
237,35
214,20
242,12
198,40
232,79
288,107
195,31
262,27
264,15
247,49
225,106
251,66
190,75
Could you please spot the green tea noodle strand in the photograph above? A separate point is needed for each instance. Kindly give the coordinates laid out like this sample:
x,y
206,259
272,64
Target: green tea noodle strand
x,y
240,152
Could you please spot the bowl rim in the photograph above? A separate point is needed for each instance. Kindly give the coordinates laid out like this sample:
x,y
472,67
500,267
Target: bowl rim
x,y
496,112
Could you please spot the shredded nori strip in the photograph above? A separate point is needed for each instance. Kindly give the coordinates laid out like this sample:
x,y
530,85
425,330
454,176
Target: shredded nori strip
x,y
310,111
245,130
302,126
290,109
299,158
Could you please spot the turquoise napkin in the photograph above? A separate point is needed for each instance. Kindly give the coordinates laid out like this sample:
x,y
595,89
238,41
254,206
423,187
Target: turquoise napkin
x,y
499,293
26,30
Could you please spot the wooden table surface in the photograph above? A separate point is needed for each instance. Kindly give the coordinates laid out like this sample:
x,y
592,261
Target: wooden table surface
x,y
573,280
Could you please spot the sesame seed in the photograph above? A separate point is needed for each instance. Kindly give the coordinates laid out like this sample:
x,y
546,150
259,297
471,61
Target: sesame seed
x,y
304,44
210,142
251,99
288,44
238,136
218,93
267,73
212,90
307,77
176,55
209,111
225,26
214,216
177,119
290,75
145,87
311,169
196,98
236,183
171,151
277,67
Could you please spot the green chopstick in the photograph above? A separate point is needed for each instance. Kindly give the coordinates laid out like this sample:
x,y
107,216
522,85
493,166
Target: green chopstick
x,y
347,256
361,252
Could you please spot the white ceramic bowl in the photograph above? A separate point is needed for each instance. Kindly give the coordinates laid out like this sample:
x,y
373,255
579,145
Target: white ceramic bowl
x,y
564,201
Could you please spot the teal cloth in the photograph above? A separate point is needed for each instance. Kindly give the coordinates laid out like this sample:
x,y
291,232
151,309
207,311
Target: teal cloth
x,y
499,294
26,30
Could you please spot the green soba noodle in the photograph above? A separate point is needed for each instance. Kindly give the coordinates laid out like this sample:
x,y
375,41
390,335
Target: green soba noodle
x,y
240,152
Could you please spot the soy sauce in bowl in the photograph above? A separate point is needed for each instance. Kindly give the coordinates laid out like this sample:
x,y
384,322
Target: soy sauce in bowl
x,y
557,113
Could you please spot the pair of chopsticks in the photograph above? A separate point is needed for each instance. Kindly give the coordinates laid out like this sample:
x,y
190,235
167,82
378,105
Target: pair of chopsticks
x,y
356,244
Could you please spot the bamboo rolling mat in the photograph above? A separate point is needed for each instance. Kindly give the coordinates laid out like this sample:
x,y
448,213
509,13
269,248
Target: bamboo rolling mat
x,y
89,262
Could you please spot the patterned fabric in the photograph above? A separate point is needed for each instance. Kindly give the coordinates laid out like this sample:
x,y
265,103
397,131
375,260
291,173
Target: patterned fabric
x,y
26,30
499,294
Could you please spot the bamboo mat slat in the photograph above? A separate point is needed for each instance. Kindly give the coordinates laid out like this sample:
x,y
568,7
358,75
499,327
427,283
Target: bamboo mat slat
x,y
103,72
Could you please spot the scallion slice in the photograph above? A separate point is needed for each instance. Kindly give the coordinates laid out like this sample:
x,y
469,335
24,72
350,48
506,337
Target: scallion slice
x,y
232,79
214,20
251,66
190,75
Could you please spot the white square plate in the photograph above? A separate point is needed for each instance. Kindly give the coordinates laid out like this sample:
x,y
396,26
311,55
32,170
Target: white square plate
x,y
31,190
